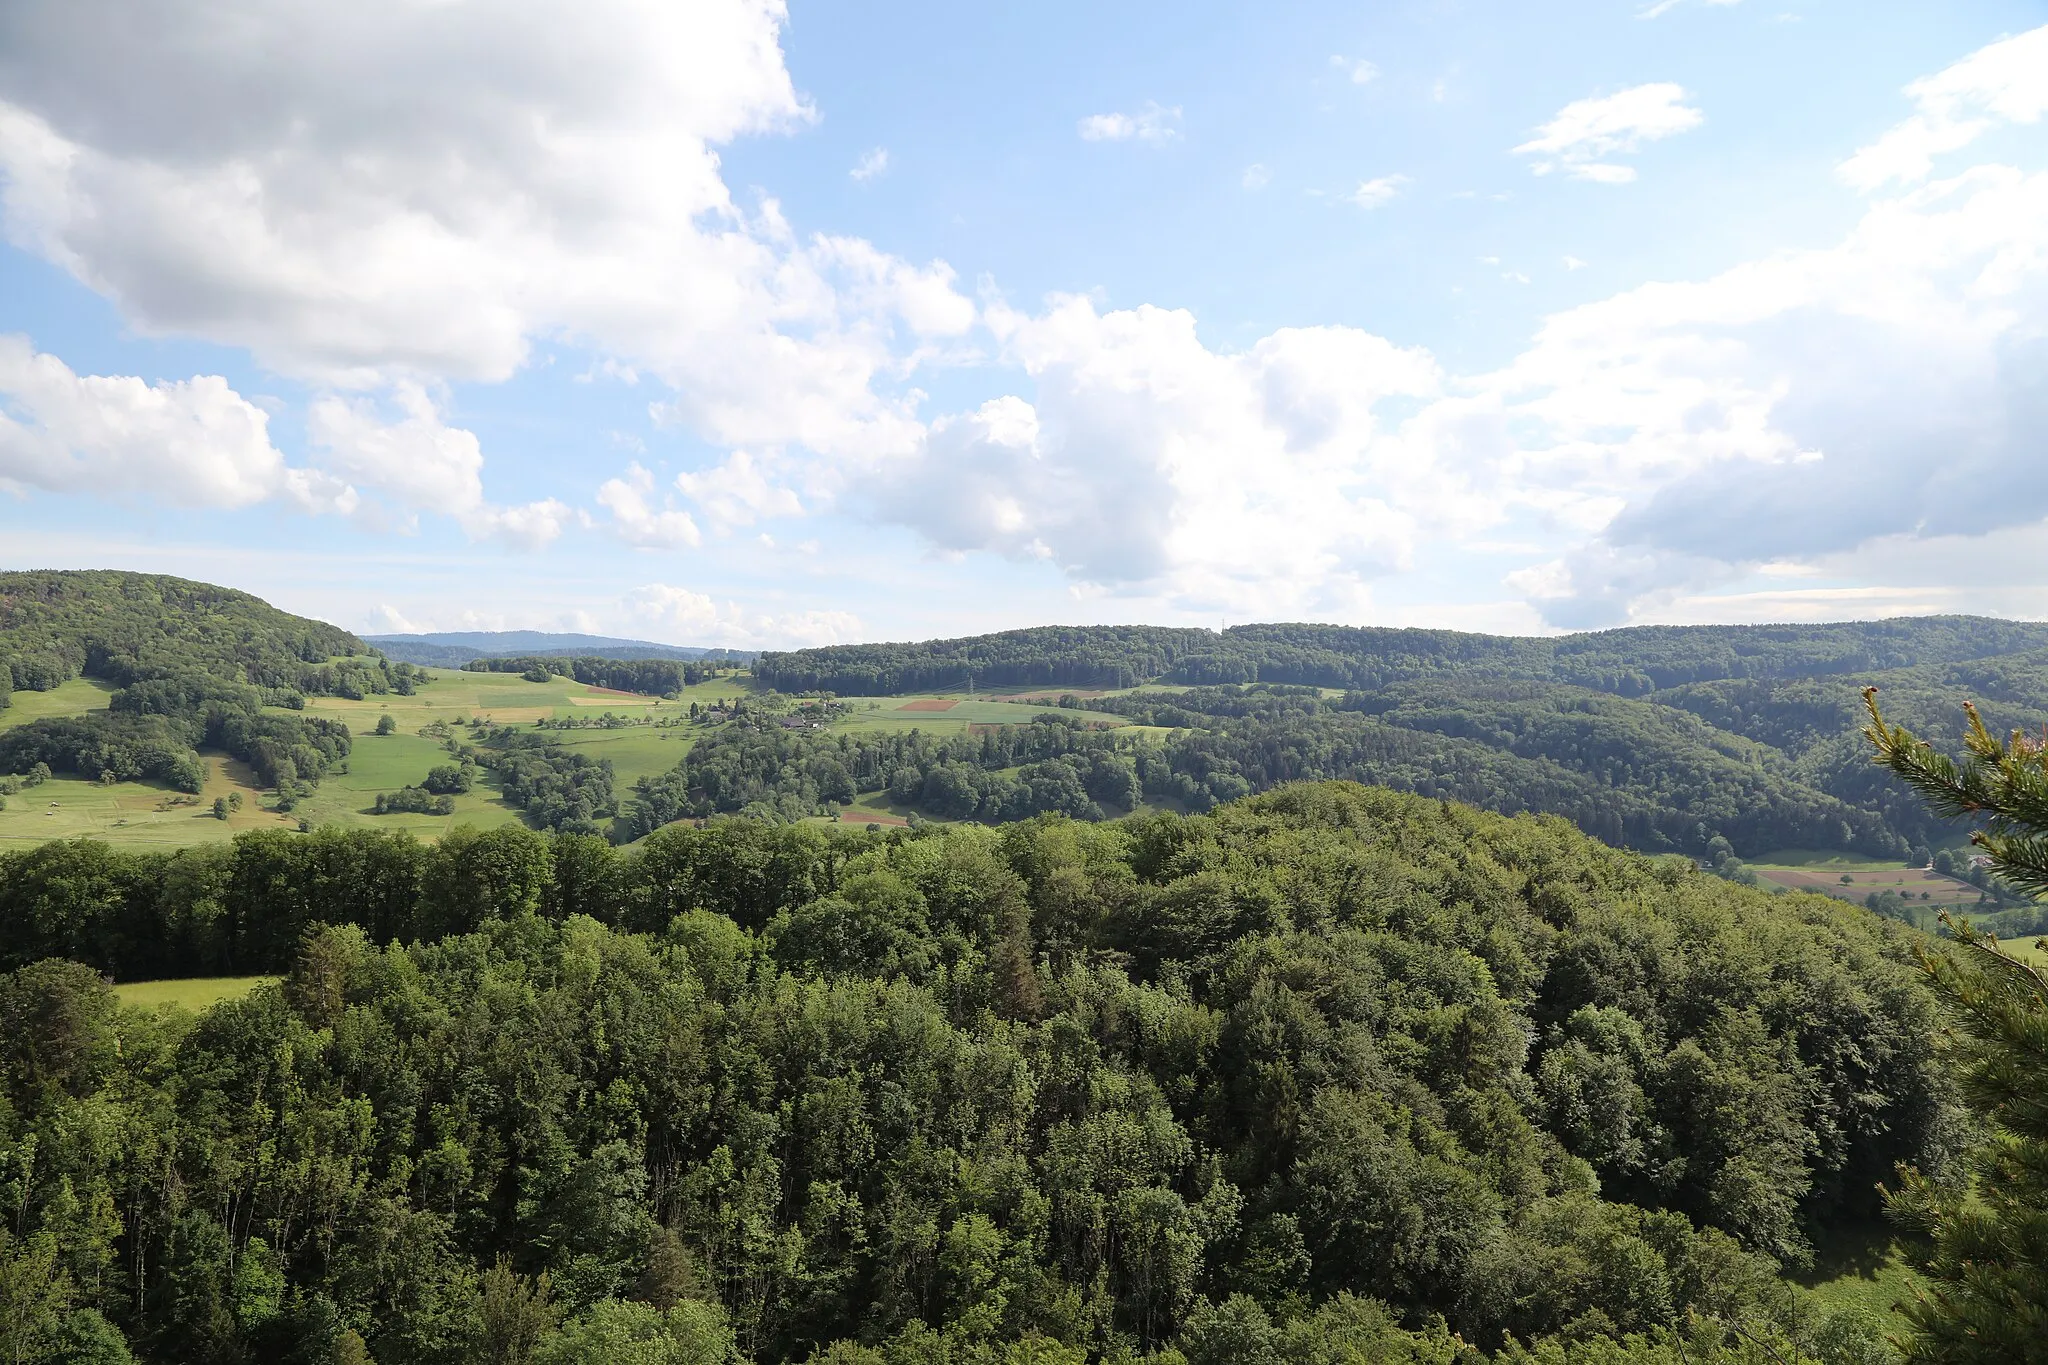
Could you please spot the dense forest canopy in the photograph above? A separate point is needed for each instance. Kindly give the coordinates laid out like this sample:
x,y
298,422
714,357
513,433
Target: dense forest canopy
x,y
126,627
1329,1075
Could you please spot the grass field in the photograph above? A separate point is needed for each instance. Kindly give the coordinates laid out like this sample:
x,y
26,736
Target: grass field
x,y
197,994
73,698
642,751
2027,950
1860,1267
137,812
143,813
383,763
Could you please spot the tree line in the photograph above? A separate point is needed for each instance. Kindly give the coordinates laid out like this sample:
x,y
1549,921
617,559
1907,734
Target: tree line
x,y
1630,662
1329,1074
651,677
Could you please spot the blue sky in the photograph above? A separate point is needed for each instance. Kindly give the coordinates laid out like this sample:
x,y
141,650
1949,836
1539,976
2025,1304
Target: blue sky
x,y
721,324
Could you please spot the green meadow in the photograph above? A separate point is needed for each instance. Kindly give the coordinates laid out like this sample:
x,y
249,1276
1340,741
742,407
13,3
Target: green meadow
x,y
73,698
196,994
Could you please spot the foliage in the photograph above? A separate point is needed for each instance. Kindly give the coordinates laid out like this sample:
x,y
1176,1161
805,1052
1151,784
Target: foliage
x,y
413,801
559,788
1626,662
129,627
756,766
126,748
1329,1074
652,677
195,663
1989,1261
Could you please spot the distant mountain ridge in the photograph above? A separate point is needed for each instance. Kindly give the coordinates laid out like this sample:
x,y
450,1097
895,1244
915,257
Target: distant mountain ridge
x,y
454,648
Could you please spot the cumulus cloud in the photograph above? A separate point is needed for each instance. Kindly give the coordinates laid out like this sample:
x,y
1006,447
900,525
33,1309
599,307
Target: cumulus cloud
x,y
395,189
1370,194
1641,453
872,163
2006,82
686,616
635,518
738,492
1795,407
1255,177
1147,460
191,443
423,465
1154,123
1587,131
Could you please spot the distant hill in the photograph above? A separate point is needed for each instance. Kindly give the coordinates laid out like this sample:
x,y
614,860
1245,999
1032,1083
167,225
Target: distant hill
x,y
1709,740
1633,661
454,648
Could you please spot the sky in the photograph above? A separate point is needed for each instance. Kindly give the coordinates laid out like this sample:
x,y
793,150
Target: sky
x,y
717,322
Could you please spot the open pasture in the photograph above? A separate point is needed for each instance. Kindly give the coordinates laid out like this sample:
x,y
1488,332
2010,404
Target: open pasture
x,y
384,763
137,812
636,751
197,994
72,698
2027,949
504,697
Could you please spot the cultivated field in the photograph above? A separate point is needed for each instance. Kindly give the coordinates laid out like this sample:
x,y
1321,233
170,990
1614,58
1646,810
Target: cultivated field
x,y
1825,873
941,713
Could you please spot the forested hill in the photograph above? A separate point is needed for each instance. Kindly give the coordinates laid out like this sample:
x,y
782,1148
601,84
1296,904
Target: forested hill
x,y
1629,662
1712,740
125,627
1319,1079
194,664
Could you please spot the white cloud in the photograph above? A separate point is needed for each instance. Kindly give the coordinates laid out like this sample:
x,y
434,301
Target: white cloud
x,y
1147,461
2006,82
391,189
872,163
1154,123
1358,69
1661,445
1370,194
1255,177
1791,408
423,465
637,521
1588,130
190,443
738,493
685,616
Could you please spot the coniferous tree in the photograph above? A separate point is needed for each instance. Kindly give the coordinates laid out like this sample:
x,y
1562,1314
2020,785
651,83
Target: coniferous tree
x,y
1989,1266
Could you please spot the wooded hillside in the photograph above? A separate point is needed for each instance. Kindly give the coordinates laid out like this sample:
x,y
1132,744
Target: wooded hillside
x,y
1329,1068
